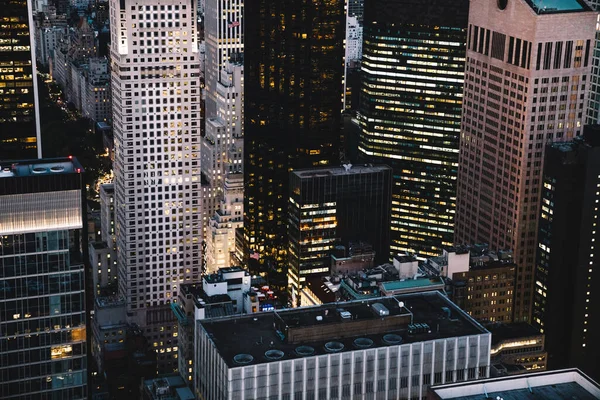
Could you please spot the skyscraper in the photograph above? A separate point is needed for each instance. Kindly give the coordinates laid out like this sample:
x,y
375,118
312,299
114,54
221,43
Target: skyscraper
x,y
409,113
43,245
526,83
566,298
293,97
19,104
156,115
224,38
333,206
222,156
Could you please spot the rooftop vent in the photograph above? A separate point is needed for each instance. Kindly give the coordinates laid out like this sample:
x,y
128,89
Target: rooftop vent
x,y
392,339
363,343
334,347
243,359
345,314
274,355
304,351
38,170
57,168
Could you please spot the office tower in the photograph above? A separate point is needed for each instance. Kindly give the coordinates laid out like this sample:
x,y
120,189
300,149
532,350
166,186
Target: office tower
x,y
409,113
333,206
566,383
43,346
19,113
293,97
156,115
222,168
224,38
379,348
567,267
527,81
220,236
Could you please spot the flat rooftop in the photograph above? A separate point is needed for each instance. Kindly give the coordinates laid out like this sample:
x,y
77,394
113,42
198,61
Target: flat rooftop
x,y
423,282
561,384
336,171
308,330
557,6
44,166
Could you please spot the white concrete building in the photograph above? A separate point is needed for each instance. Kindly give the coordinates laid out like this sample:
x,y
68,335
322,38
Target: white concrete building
x,y
354,37
393,347
225,292
156,122
96,96
224,36
48,38
222,168
220,237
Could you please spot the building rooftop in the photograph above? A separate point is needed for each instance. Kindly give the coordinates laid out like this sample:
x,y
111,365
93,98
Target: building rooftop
x,y
557,6
45,166
421,282
348,169
561,384
110,301
502,332
99,245
337,327
167,388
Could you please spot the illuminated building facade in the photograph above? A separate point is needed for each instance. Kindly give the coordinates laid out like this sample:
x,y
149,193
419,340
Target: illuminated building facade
x,y
331,206
293,97
224,39
222,156
43,245
526,83
19,108
409,113
567,297
156,121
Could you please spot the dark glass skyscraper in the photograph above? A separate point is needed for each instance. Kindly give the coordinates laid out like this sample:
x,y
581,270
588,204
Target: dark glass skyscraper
x,y
293,100
19,125
43,245
411,96
566,297
333,206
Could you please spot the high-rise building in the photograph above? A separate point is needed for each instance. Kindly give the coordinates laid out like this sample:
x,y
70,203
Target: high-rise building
x,y
389,348
19,104
567,296
526,83
224,38
156,116
409,113
43,345
293,97
333,206
222,156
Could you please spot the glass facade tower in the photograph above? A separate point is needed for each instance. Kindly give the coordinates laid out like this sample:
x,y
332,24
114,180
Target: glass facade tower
x,y
43,346
293,97
409,114
333,206
19,110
